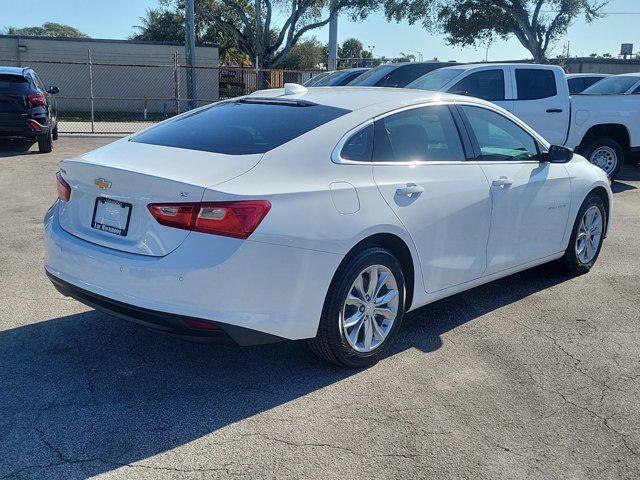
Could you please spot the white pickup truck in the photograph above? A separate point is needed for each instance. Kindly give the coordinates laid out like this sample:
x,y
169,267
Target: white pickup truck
x,y
603,128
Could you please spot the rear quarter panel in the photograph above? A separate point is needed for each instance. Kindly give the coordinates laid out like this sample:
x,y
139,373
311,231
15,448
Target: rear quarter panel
x,y
588,111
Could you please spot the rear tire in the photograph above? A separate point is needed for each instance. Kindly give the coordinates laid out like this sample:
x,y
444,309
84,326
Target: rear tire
x,y
353,331
45,143
606,153
578,258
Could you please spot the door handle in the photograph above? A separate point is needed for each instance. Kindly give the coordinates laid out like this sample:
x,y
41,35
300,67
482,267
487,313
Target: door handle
x,y
554,110
502,182
410,190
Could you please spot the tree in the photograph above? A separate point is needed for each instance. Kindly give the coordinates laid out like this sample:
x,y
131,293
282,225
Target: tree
x,y
351,48
410,57
270,35
537,24
48,29
305,55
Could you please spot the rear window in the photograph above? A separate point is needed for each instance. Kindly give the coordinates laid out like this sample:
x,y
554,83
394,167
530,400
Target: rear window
x,y
13,83
373,76
612,86
241,127
436,80
534,83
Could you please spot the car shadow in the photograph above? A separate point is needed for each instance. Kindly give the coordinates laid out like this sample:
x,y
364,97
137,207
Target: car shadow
x,y
89,392
630,173
15,147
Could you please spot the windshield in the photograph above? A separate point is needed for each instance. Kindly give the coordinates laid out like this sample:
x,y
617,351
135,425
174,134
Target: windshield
x,y
337,78
240,127
315,79
612,86
435,80
373,76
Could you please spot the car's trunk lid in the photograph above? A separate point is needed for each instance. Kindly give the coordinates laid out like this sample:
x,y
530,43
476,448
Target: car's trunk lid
x,y
112,187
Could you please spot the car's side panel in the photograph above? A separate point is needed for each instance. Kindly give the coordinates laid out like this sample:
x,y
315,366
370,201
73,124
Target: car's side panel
x,y
449,221
530,215
584,178
592,110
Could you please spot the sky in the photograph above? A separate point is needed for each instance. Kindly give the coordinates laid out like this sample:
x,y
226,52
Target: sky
x,y
116,18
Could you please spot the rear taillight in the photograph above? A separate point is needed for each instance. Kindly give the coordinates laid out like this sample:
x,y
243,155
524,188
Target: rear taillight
x,y
230,219
64,189
37,98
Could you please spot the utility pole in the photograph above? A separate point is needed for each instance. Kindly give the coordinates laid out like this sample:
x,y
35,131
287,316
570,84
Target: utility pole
x,y
258,39
333,40
190,50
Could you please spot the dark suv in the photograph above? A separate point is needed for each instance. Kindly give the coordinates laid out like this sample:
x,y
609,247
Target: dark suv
x,y
397,75
27,108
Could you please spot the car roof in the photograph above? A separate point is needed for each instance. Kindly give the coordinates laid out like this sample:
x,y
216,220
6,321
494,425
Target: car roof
x,y
577,75
12,70
636,74
356,98
488,65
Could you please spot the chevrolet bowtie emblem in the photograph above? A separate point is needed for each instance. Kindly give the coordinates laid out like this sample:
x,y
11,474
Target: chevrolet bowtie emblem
x,y
102,183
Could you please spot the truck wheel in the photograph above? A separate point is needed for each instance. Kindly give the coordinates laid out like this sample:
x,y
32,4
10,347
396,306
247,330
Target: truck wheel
x,y
45,143
607,154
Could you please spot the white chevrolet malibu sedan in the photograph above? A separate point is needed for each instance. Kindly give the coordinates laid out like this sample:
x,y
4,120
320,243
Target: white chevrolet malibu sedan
x,y
323,214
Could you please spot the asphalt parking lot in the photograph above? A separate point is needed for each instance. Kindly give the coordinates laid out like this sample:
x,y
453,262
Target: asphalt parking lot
x,y
536,376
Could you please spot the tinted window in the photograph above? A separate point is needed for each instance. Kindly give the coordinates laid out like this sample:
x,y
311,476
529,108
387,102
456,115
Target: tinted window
x,y
576,85
373,76
240,127
612,85
350,77
406,74
637,90
359,146
588,81
419,134
13,84
533,83
498,137
436,79
486,84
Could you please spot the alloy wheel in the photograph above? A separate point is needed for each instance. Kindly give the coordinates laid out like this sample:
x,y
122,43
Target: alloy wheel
x,y
370,309
589,234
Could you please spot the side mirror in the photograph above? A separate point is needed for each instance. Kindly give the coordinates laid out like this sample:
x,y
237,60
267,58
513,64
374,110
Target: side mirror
x,y
53,90
558,154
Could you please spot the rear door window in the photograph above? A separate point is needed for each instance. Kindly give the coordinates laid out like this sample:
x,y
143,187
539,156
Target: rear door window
x,y
241,127
485,84
419,134
535,83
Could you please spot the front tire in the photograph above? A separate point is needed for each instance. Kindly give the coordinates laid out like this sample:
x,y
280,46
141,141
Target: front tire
x,y
45,143
586,238
363,310
607,154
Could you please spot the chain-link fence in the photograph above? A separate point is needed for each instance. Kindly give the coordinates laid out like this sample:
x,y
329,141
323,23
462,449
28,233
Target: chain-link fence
x,y
122,98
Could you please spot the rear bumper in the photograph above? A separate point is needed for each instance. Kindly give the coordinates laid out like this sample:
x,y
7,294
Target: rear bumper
x,y
170,323
19,126
255,292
